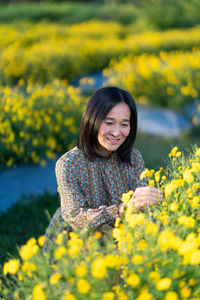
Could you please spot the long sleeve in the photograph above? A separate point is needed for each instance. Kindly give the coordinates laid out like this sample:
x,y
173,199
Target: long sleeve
x,y
138,167
76,199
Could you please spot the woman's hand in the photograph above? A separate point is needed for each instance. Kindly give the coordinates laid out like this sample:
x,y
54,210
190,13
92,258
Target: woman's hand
x,y
144,196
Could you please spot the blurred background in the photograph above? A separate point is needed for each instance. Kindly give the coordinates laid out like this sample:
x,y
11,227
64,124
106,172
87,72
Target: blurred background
x,y
53,55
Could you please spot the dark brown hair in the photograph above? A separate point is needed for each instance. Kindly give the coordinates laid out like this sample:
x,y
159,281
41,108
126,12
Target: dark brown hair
x,y
100,104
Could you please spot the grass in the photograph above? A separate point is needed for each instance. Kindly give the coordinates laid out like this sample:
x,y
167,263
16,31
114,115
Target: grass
x,y
155,149
27,218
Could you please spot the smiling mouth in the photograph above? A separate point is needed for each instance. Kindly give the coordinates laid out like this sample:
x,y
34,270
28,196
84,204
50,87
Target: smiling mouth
x,y
113,141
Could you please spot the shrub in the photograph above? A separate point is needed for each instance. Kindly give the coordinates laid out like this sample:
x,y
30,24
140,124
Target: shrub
x,y
38,123
45,51
168,79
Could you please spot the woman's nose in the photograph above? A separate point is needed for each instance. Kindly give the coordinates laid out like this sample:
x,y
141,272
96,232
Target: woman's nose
x,y
116,131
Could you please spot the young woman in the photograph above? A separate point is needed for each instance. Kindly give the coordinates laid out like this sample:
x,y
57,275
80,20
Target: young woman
x,y
93,176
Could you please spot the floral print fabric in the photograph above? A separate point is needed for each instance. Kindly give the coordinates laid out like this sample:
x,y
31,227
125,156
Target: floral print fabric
x,y
91,190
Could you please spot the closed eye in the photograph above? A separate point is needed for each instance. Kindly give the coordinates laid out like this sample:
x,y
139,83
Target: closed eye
x,y
125,125
108,123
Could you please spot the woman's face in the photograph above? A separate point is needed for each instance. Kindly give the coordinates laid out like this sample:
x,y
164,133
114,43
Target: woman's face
x,y
114,129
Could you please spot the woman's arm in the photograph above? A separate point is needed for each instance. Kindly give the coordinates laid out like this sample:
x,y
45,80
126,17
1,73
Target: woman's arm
x,y
74,201
143,195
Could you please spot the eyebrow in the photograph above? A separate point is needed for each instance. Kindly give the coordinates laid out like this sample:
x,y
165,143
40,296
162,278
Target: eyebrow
x,y
112,119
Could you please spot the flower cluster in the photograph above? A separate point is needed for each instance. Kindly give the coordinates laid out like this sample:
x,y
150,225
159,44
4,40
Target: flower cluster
x,y
46,51
153,254
39,122
165,79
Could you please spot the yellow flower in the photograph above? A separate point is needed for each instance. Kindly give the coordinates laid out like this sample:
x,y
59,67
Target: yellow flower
x,y
134,219
98,235
38,293
133,279
186,221
151,228
141,270
185,292
192,282
12,266
126,197
178,154
69,297
83,286
188,177
172,186
173,152
137,259
142,244
190,245
41,240
29,249
27,266
144,295
110,260
167,240
108,296
170,90
20,277
81,270
59,239
151,182
99,268
174,206
117,222
155,276
59,252
195,257
144,174
54,278
157,176
198,152
75,244
122,296
171,296
163,284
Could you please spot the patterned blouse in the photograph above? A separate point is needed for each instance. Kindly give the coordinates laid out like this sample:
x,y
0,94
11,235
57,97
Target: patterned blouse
x,y
91,190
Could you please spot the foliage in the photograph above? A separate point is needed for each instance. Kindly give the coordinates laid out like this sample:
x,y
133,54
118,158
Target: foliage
x,y
154,254
39,122
69,13
145,14
26,218
167,14
168,79
42,52
155,149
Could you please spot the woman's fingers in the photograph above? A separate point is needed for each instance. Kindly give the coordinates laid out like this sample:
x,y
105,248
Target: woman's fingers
x,y
147,190
146,196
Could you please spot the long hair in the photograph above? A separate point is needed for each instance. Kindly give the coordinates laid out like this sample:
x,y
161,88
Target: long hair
x,y
99,105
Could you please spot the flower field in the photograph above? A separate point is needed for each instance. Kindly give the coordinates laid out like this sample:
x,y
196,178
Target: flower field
x,y
154,254
40,112
39,122
44,51
170,79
